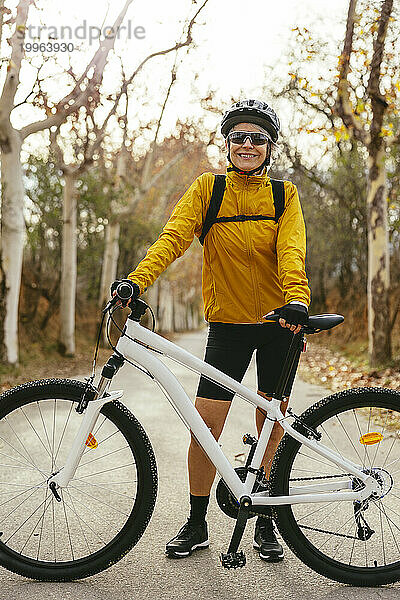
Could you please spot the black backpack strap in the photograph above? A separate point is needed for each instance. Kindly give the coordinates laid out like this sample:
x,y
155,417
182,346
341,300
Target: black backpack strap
x,y
214,206
278,192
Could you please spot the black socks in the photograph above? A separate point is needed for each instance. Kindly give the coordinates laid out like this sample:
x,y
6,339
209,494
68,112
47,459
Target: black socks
x,y
198,509
265,519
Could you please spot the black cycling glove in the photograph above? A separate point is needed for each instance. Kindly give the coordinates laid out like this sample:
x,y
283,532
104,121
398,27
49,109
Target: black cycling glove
x,y
294,314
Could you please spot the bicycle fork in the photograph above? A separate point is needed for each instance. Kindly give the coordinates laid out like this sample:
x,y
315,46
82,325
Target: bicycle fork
x,y
62,478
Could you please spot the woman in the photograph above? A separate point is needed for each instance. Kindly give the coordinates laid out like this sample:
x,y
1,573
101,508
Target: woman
x,y
251,266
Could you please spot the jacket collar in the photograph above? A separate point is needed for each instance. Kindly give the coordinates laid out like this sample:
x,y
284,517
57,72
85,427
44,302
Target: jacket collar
x,y
242,181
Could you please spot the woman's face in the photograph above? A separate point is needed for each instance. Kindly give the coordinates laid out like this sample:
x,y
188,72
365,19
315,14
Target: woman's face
x,y
246,156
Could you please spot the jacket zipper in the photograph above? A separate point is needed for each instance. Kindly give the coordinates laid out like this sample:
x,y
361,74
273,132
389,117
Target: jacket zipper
x,y
251,263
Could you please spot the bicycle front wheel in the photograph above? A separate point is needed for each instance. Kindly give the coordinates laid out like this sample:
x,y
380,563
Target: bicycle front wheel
x,y
350,542
105,508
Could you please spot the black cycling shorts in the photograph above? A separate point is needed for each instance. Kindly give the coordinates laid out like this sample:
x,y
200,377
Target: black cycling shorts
x,y
230,347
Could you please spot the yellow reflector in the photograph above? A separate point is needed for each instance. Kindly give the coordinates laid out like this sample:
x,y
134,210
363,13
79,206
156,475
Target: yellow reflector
x,y
91,441
371,438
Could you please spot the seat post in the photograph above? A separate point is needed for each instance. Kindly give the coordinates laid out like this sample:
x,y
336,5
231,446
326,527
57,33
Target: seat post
x,y
289,365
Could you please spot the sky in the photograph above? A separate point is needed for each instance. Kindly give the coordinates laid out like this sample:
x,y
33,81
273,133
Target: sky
x,y
240,46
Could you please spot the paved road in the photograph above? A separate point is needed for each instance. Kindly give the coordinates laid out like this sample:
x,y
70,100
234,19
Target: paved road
x,y
145,572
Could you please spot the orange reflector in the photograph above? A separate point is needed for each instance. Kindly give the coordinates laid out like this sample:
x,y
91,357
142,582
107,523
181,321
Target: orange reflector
x,y
91,441
371,438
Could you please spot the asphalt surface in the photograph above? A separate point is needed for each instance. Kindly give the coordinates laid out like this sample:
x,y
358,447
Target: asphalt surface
x,y
145,572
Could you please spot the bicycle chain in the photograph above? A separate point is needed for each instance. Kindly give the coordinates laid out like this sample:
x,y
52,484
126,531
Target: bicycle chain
x,y
266,485
351,537
320,477
257,514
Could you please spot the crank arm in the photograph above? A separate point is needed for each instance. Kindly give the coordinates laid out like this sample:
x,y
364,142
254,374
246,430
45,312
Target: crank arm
x,y
234,559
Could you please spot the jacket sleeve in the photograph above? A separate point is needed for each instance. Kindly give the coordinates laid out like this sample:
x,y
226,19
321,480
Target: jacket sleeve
x,y
184,223
291,249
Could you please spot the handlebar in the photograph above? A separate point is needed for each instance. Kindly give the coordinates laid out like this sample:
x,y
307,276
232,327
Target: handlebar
x,y
126,290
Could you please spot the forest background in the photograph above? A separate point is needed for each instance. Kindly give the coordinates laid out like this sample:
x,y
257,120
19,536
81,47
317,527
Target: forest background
x,y
100,139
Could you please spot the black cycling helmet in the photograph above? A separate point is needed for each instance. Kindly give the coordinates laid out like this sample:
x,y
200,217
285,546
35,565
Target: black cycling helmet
x,y
251,111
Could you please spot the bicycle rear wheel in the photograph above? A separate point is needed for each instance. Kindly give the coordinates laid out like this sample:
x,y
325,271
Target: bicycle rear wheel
x,y
328,536
105,508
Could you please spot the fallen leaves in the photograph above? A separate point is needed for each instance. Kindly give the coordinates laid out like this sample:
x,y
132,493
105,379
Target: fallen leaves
x,y
323,366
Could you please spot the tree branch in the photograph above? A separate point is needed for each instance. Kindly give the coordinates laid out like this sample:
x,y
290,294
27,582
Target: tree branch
x,y
78,97
165,170
145,175
187,41
312,175
14,66
378,101
343,106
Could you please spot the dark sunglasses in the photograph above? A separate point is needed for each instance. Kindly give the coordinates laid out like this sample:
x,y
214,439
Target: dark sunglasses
x,y
256,138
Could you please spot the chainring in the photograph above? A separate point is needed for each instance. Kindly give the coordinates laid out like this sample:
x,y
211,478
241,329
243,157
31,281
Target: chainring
x,y
225,499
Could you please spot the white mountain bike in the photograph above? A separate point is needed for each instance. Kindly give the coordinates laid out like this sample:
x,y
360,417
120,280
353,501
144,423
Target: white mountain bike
x,y
79,477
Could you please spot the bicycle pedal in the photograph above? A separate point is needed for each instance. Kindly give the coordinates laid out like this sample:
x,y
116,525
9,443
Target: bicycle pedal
x,y
233,560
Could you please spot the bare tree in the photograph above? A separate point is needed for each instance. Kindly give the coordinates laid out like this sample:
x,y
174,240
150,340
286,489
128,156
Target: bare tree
x,y
374,140
354,108
86,90
12,225
145,182
84,142
89,137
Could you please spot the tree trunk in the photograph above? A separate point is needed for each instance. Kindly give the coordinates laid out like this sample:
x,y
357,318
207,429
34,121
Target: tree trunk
x,y
109,268
68,268
111,242
378,261
12,241
110,261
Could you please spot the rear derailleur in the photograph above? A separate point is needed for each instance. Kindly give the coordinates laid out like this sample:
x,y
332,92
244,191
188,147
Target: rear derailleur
x,y
364,531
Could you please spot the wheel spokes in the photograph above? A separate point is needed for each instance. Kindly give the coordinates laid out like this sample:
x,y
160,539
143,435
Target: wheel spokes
x,y
35,441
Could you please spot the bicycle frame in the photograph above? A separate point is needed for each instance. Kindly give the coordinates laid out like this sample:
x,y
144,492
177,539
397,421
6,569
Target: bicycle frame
x,y
142,346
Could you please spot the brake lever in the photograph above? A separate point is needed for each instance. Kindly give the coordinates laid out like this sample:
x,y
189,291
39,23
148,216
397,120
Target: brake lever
x,y
110,304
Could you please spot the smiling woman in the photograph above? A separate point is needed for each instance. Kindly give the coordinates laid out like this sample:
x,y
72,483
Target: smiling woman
x,y
253,263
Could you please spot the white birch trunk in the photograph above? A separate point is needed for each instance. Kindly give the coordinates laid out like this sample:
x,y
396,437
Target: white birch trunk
x,y
12,219
68,267
111,242
110,261
378,262
12,242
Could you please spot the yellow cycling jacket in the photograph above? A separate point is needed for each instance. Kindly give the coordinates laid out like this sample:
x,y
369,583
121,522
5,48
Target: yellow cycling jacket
x,y
249,267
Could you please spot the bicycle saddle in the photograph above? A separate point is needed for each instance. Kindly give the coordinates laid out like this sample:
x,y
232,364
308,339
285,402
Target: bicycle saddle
x,y
316,323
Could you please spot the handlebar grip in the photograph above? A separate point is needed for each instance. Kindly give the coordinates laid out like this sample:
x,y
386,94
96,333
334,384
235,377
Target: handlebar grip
x,y
124,290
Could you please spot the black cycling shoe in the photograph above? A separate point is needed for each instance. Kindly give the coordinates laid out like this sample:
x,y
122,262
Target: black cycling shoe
x,y
265,541
190,537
